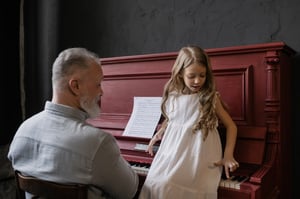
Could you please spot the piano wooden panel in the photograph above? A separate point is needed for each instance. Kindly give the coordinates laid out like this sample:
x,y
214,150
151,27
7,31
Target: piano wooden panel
x,y
254,81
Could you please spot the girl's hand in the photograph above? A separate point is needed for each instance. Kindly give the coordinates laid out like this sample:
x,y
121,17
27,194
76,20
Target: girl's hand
x,y
155,138
230,165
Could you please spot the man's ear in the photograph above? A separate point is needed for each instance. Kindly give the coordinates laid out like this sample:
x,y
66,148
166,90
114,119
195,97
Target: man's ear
x,y
74,86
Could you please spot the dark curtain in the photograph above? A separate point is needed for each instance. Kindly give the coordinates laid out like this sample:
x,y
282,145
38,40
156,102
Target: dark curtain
x,y
10,71
49,27
41,30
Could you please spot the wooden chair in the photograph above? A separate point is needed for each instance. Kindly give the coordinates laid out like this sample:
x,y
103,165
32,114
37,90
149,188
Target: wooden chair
x,y
49,190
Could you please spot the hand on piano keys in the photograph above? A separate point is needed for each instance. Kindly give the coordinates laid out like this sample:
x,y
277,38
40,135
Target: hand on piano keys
x,y
233,182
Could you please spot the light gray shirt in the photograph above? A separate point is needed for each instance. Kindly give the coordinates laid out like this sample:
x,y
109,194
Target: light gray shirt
x,y
58,145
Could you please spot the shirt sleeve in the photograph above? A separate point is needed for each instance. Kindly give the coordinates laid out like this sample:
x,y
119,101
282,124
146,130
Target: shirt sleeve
x,y
112,173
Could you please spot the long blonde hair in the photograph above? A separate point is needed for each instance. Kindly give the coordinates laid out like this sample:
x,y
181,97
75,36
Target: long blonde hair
x,y
207,95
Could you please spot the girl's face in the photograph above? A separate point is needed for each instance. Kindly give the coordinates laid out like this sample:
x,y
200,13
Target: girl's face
x,y
194,77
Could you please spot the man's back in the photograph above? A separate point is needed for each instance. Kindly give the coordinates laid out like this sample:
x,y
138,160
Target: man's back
x,y
58,145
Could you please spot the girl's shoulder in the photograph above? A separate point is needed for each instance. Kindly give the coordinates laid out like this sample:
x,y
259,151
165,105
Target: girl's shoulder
x,y
174,94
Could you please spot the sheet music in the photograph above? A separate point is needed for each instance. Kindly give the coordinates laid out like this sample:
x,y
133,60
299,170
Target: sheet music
x,y
144,118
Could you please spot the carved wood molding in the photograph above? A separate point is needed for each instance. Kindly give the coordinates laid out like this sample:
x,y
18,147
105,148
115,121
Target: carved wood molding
x,y
272,101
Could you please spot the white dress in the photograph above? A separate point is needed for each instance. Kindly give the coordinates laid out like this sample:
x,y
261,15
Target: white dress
x,y
183,167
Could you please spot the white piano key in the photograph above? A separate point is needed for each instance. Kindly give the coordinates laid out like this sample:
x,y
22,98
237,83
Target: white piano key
x,y
233,182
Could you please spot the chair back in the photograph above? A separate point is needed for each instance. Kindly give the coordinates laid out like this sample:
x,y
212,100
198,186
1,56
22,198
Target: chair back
x,y
48,190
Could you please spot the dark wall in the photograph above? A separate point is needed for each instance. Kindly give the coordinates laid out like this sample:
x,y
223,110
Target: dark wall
x,y
128,27
295,103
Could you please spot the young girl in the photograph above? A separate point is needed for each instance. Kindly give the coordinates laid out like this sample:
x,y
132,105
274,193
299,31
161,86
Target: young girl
x,y
189,161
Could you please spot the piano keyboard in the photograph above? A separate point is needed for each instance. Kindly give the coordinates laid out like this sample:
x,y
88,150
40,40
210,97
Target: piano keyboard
x,y
140,168
233,182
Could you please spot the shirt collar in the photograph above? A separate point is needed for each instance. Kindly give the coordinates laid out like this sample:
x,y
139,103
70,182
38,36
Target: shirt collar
x,y
66,111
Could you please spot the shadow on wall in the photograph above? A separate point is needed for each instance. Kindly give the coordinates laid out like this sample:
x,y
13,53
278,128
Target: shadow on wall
x,y
295,120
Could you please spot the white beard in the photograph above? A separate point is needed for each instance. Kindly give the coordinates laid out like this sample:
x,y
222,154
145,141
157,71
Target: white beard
x,y
90,106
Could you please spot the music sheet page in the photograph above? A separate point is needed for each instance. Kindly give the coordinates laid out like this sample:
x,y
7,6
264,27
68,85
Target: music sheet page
x,y
144,118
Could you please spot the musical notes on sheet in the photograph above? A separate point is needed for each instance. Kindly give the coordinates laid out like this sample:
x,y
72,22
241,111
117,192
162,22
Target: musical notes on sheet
x,y
144,118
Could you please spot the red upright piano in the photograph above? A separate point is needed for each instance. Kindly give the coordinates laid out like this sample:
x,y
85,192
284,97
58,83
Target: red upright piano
x,y
254,80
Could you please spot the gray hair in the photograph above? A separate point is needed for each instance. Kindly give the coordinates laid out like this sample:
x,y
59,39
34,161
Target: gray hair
x,y
68,61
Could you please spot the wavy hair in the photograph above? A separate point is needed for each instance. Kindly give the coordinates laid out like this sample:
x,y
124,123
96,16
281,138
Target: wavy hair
x,y
207,119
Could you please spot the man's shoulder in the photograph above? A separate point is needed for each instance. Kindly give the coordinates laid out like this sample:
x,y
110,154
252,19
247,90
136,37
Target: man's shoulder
x,y
97,133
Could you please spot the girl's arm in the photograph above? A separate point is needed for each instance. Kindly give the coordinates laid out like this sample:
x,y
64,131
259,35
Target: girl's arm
x,y
229,163
158,136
